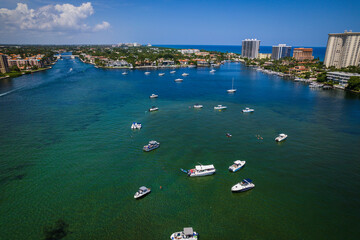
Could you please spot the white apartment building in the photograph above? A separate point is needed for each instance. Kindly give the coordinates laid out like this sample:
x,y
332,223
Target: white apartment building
x,y
250,48
343,49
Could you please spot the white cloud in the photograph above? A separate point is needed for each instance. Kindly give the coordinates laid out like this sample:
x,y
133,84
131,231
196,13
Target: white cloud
x,y
59,17
101,26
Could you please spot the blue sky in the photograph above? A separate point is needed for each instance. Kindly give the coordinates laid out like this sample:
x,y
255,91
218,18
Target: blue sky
x,y
296,23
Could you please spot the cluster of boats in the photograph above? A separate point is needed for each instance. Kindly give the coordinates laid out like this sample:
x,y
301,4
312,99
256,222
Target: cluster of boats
x,y
136,125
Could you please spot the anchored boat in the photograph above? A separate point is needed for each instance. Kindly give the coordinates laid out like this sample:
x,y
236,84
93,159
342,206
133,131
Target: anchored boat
x,y
151,146
188,233
281,137
243,186
153,109
136,125
248,110
198,106
201,170
142,192
237,166
178,80
185,74
161,74
220,107
154,96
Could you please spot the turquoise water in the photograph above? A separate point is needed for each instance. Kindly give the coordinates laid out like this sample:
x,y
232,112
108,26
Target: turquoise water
x,y
67,152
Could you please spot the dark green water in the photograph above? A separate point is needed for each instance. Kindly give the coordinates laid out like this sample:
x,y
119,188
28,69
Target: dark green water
x,y
67,152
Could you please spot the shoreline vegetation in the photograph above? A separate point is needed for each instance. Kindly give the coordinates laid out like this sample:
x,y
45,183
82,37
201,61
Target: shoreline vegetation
x,y
127,57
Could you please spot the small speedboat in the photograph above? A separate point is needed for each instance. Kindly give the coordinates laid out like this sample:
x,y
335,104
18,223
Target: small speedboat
x,y
185,74
172,71
136,125
161,74
125,73
151,146
237,165
198,106
201,170
243,186
281,137
153,109
212,70
147,73
248,110
187,234
220,107
142,192
154,96
228,135
178,80
231,90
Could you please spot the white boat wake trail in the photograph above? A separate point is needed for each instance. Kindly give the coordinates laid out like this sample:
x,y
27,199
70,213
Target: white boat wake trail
x,y
6,93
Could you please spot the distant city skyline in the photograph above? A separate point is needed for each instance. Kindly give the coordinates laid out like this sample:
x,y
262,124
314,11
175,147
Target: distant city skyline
x,y
175,23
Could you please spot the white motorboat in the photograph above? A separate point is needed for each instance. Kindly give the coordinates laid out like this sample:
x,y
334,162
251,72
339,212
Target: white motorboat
x,y
243,186
281,137
147,73
198,106
151,146
188,234
232,90
153,109
185,74
297,79
220,107
172,71
237,166
142,192
154,96
212,70
136,125
202,170
125,73
178,80
248,110
161,74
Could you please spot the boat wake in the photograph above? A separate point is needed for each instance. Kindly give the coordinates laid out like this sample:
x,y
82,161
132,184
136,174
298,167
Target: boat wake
x,y
6,93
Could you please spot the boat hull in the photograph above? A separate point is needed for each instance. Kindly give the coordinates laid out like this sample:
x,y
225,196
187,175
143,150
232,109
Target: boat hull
x,y
142,195
242,190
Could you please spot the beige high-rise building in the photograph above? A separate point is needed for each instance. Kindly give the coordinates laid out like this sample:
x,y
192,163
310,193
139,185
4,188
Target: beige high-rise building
x,y
4,67
343,49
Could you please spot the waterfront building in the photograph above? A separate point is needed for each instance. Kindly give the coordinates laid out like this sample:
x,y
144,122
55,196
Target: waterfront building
x,y
4,67
301,54
264,55
343,49
280,51
250,48
189,51
341,77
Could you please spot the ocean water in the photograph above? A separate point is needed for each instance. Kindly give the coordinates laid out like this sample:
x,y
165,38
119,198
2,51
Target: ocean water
x,y
318,52
67,153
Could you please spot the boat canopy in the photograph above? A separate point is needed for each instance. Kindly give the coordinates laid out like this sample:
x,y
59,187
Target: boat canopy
x,y
143,188
188,231
204,167
237,162
248,180
153,142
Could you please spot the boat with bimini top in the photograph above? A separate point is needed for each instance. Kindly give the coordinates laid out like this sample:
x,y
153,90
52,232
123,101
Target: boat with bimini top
x,y
188,234
142,192
237,166
151,146
243,186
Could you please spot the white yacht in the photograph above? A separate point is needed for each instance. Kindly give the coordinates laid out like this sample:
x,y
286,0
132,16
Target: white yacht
x,y
220,107
147,73
151,146
281,137
248,110
154,96
232,90
136,125
161,74
172,71
212,70
179,80
153,109
188,234
142,192
237,166
202,170
198,106
243,186
185,74
125,73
